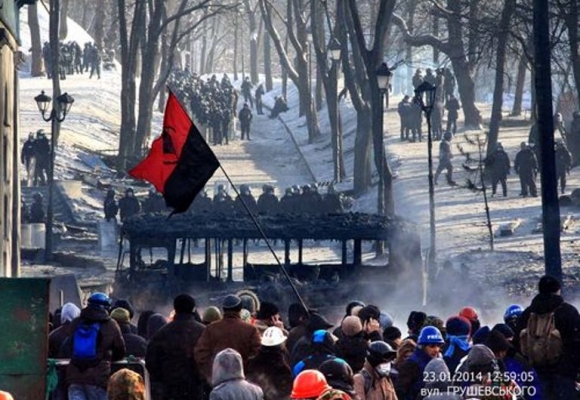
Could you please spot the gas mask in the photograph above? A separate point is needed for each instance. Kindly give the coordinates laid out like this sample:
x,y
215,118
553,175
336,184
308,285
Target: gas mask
x,y
383,369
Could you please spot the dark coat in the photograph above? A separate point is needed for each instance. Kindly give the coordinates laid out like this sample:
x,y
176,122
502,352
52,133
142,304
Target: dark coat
x,y
525,161
267,204
170,358
57,338
230,332
563,160
111,347
128,207
452,107
353,350
410,378
135,345
245,116
499,163
567,321
270,370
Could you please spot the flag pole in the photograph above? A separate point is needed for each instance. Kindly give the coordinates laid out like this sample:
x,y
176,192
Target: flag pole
x,y
263,234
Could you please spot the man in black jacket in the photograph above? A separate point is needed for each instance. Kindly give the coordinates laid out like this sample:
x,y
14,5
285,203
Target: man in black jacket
x,y
557,380
526,166
170,360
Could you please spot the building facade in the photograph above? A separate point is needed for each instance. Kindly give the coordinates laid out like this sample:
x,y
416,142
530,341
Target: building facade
x,y
9,139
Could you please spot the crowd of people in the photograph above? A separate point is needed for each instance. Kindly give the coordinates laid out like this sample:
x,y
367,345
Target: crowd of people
x,y
74,60
305,199
246,349
410,111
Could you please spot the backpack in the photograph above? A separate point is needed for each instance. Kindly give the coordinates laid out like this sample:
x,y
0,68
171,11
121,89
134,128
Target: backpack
x,y
540,341
85,344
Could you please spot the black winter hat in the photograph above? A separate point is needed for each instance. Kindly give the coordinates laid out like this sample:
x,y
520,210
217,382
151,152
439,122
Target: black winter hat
x,y
267,310
124,303
504,329
416,320
497,342
317,321
183,303
368,312
548,285
391,333
481,335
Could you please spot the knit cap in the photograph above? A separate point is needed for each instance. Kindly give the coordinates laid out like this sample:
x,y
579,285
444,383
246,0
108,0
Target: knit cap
x,y
121,315
458,326
351,325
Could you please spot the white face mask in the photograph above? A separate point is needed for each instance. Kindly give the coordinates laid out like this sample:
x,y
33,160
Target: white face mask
x,y
383,369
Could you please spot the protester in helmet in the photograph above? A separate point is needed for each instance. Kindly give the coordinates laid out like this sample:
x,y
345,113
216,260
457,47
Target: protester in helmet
x,y
512,315
228,378
374,380
339,375
270,368
309,384
410,380
471,314
323,349
90,375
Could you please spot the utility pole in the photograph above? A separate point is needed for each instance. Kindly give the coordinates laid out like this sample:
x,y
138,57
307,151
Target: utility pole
x,y
543,85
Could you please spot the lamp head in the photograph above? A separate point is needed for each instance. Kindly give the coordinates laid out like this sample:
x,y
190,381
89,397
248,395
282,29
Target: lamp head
x,y
43,102
384,76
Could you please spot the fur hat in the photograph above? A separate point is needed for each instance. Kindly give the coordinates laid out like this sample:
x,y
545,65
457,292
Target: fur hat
x,y
548,285
121,315
351,325
126,385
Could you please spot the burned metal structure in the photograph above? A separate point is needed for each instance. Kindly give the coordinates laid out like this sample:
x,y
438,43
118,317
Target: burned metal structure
x,y
214,237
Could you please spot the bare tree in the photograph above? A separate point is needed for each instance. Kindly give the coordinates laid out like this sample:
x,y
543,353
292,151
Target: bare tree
x,y
295,22
36,68
63,28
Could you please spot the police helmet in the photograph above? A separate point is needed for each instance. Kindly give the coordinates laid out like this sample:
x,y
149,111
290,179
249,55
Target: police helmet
x,y
110,193
380,352
447,135
430,335
38,196
100,300
40,133
512,312
289,191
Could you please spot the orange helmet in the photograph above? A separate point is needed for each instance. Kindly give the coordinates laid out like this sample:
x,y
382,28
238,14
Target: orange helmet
x,y
5,396
469,313
308,384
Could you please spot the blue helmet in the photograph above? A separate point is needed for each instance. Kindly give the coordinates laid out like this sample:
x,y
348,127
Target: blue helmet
x,y
430,335
513,311
100,300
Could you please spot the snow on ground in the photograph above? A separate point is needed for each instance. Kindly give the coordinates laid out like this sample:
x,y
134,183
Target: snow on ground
x,y
271,157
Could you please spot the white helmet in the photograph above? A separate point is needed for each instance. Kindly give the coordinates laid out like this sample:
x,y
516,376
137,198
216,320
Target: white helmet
x,y
273,336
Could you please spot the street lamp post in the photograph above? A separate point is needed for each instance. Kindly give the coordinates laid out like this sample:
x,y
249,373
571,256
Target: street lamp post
x,y
425,97
384,75
334,49
57,115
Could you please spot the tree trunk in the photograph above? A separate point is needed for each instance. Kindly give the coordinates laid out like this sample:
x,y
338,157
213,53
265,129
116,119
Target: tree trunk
x,y
436,34
129,50
502,37
319,27
571,20
210,59
63,27
36,68
99,26
204,48
268,62
86,15
236,41
253,42
520,83
362,152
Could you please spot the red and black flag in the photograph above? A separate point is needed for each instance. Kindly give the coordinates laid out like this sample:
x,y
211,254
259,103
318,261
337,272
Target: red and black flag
x,y
180,162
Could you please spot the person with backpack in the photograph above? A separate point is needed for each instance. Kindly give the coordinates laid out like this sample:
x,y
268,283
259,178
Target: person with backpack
x,y
549,332
96,342
374,382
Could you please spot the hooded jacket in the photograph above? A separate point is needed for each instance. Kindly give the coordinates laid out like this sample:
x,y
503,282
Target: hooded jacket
x,y
110,347
567,321
438,378
228,379
410,379
353,349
